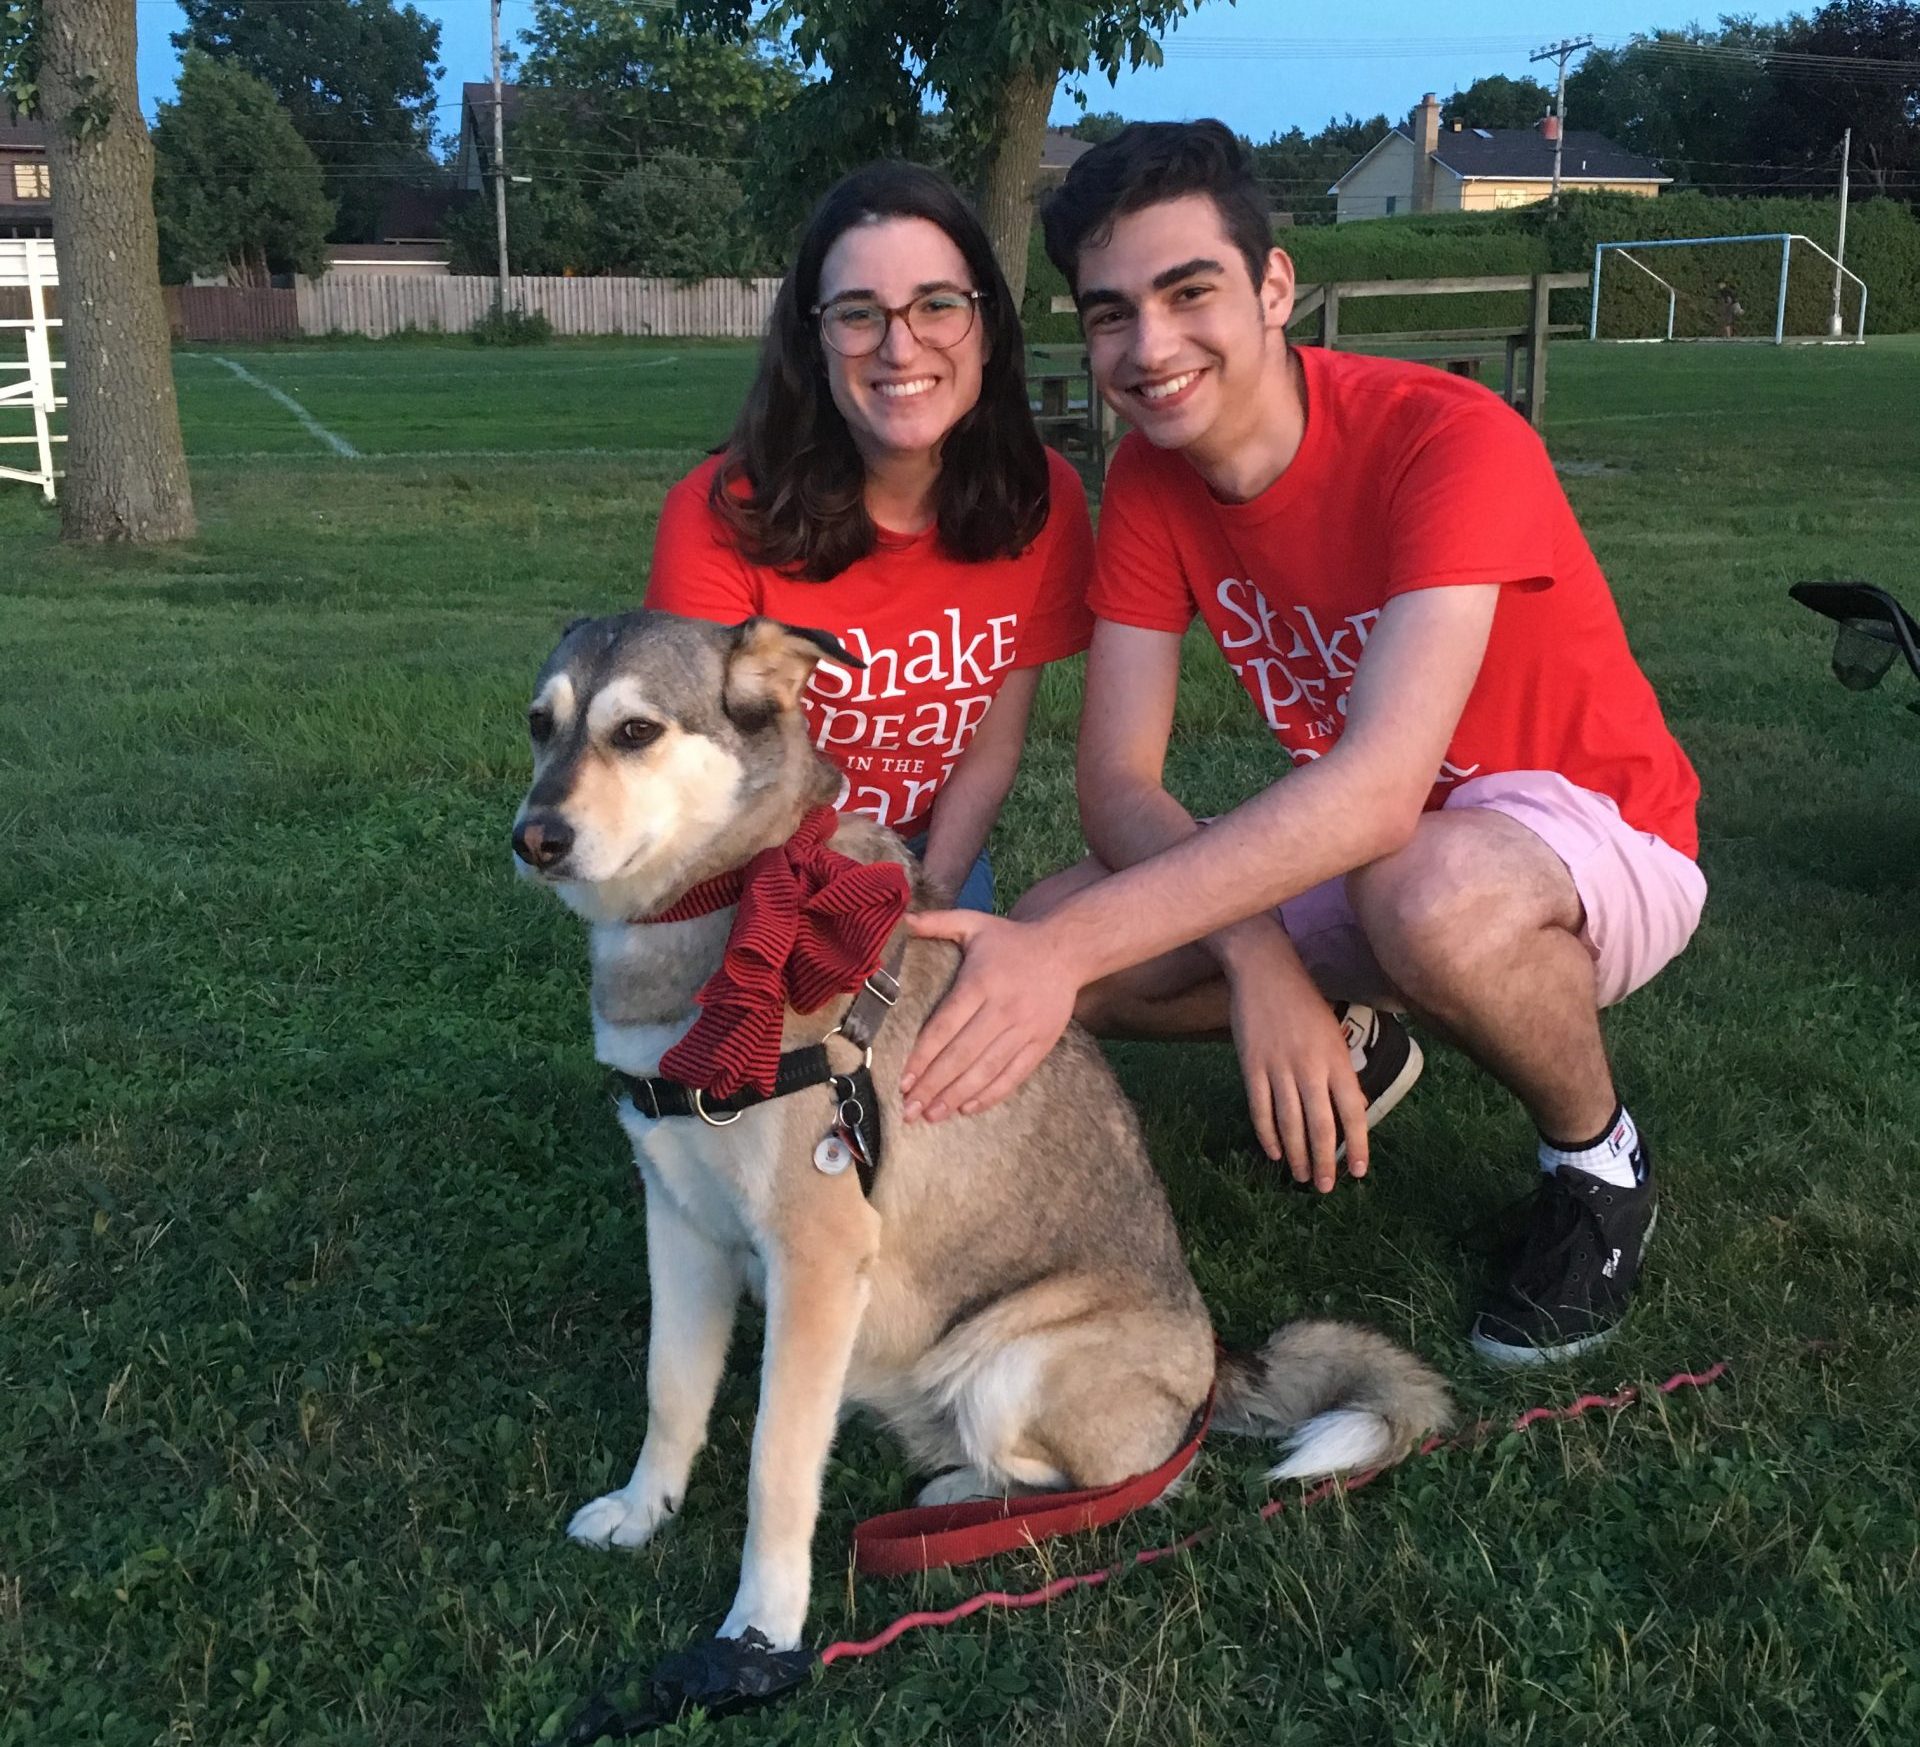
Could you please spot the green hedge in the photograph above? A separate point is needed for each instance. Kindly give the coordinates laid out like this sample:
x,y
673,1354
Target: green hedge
x,y
1883,247
1437,246
1045,282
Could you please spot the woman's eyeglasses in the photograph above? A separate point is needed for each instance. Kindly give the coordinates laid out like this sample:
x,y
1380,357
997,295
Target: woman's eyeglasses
x,y
855,327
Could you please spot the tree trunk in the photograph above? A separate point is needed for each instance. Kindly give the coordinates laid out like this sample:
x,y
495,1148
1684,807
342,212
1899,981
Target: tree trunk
x,y
1006,197
126,468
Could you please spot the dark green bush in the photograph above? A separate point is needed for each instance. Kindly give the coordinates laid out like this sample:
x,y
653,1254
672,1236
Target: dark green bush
x,y
511,327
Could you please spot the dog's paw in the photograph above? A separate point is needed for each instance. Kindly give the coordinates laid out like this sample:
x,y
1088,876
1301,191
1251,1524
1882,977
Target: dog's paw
x,y
956,1486
619,1519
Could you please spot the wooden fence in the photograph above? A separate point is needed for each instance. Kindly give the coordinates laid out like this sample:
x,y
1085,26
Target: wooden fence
x,y
229,312
389,303
1461,349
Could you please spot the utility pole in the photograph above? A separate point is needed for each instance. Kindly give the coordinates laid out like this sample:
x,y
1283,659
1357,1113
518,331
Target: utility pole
x,y
1560,51
1834,327
499,164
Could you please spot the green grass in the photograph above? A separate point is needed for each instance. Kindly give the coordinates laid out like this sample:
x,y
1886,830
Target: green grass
x,y
322,1288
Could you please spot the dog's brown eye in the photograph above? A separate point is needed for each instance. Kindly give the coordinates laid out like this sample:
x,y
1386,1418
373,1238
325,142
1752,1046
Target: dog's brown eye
x,y
635,733
539,723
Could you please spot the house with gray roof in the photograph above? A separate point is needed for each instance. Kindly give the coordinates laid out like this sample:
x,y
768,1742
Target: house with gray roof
x,y
1436,165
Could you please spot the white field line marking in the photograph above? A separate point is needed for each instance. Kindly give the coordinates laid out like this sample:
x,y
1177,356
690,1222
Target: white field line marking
x,y
339,445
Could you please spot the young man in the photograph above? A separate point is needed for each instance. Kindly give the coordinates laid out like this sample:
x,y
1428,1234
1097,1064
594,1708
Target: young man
x,y
1487,822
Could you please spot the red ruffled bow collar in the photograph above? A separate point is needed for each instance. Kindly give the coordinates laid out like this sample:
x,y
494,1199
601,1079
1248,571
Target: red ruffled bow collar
x,y
812,924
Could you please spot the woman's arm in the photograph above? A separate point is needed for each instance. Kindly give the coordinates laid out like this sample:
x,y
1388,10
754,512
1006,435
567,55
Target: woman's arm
x,y
971,799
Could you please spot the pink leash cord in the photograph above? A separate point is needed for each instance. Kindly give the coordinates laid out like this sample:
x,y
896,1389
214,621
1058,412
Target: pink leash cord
x,y
1090,1579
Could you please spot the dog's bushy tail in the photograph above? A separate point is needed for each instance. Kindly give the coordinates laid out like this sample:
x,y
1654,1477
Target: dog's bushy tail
x,y
1343,1397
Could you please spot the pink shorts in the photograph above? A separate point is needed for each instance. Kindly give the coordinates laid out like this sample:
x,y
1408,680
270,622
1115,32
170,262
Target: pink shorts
x,y
1642,897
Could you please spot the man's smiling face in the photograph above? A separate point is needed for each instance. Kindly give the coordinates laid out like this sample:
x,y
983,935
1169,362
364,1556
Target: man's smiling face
x,y
1178,335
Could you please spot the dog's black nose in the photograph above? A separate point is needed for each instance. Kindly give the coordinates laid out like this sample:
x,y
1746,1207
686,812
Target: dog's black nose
x,y
542,840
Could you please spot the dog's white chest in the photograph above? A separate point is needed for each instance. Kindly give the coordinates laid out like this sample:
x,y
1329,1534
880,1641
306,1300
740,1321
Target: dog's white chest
x,y
701,1170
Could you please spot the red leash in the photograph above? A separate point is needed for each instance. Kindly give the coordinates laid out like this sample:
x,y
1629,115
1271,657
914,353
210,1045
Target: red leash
x,y
957,1534
849,1648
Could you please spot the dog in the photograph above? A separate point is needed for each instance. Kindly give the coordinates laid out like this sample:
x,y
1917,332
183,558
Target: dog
x,y
1012,1301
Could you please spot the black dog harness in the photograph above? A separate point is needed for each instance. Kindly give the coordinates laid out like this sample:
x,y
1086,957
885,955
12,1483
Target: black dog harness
x,y
857,1120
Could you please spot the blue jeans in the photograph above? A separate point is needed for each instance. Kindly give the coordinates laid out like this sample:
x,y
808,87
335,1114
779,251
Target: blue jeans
x,y
976,890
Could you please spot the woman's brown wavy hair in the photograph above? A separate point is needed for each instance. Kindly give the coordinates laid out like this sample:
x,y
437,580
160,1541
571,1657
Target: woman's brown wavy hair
x,y
802,507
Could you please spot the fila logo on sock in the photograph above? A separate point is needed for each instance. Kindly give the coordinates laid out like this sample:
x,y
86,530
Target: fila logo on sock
x,y
1621,1129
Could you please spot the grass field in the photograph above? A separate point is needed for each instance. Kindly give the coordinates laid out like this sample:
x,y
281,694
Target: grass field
x,y
322,1291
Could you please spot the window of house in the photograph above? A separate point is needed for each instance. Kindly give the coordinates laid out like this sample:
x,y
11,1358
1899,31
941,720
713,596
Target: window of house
x,y
32,182
1393,204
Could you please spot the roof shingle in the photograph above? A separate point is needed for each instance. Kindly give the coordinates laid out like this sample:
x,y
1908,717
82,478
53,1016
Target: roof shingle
x,y
1523,152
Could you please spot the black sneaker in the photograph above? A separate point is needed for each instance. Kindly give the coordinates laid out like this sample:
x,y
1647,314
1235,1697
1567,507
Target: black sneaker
x,y
1573,1268
1386,1061
1385,1058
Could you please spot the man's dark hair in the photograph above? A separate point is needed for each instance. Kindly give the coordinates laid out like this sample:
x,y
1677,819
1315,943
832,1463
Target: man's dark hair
x,y
803,510
1145,163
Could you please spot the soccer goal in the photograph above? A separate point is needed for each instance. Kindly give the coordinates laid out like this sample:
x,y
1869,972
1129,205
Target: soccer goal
x,y
27,389
1773,288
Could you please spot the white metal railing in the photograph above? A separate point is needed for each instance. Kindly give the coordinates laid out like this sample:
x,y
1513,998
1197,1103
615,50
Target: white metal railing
x,y
27,385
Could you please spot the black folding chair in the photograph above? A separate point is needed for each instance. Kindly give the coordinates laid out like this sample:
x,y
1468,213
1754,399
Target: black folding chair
x,y
1871,628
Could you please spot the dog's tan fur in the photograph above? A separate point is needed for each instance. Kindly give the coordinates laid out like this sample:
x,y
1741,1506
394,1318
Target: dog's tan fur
x,y
1013,1302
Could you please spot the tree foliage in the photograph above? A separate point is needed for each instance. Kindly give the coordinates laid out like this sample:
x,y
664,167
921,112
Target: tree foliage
x,y
1744,106
551,229
1692,99
1878,103
1296,168
356,76
1739,109
1098,126
676,216
19,54
1498,101
625,124
607,80
988,68
235,188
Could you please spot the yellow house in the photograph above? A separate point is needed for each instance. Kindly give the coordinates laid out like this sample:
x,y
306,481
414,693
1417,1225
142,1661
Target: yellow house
x,y
1431,166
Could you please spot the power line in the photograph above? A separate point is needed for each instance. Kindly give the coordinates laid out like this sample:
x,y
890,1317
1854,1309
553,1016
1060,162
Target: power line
x,y
1760,56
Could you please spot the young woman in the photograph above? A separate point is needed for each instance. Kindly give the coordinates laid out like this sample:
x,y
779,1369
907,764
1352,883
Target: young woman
x,y
885,482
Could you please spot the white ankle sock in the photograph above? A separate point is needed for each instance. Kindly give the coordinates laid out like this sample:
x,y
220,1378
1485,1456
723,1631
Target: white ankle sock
x,y
1610,1158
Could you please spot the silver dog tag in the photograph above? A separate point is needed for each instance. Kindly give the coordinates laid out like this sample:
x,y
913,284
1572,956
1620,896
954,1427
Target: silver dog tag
x,y
832,1155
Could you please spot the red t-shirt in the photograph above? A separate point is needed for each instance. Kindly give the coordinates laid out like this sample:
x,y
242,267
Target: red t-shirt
x,y
939,636
1407,478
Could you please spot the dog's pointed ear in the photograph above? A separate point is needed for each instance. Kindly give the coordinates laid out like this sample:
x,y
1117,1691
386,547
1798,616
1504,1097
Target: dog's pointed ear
x,y
769,665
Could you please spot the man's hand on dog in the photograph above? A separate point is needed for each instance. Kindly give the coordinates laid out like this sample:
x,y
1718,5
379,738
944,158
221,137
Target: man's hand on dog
x,y
1010,1003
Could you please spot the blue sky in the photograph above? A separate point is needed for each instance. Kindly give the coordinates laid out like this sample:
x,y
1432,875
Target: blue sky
x,y
1261,66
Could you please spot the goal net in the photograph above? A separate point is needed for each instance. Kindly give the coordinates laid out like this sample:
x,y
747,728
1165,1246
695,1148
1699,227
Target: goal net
x,y
1771,288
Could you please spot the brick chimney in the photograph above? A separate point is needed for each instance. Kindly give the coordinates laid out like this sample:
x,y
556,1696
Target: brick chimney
x,y
1426,141
1549,128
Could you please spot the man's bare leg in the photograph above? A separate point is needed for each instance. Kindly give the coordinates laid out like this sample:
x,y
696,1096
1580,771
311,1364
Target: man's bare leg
x,y
1477,924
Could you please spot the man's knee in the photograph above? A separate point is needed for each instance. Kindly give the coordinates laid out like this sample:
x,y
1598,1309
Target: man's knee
x,y
1057,888
1100,1007
1469,886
